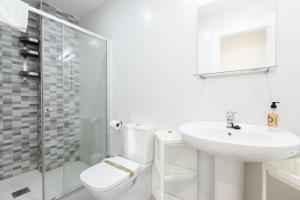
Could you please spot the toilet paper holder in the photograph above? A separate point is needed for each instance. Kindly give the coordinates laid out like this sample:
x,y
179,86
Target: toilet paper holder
x,y
116,124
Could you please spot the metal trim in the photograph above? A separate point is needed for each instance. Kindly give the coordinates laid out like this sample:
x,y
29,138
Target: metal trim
x,y
120,167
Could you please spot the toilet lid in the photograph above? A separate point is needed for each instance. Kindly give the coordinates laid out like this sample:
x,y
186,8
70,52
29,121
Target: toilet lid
x,y
103,176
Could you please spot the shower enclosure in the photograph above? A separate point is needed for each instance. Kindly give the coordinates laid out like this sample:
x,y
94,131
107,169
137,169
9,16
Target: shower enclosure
x,y
73,105
53,106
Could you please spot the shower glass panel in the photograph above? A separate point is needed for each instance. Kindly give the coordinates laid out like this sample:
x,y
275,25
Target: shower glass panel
x,y
74,80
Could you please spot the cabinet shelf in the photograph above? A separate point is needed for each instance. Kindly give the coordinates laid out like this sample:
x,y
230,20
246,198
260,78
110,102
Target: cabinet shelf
x,y
168,196
175,164
175,173
283,174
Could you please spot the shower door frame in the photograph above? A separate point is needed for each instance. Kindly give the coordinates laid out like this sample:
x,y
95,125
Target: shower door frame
x,y
42,107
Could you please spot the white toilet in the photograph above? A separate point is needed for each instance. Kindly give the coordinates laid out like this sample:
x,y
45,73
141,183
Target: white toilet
x,y
113,177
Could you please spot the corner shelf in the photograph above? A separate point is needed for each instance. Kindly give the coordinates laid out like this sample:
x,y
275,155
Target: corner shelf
x,y
29,74
28,52
29,40
236,72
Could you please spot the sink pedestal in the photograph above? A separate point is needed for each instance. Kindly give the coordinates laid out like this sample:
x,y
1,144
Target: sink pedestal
x,y
229,179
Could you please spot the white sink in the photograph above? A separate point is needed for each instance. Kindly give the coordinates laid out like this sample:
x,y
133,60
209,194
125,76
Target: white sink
x,y
250,143
231,148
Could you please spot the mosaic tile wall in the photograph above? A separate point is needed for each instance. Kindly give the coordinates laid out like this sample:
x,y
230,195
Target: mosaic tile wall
x,y
19,99
19,104
71,95
61,92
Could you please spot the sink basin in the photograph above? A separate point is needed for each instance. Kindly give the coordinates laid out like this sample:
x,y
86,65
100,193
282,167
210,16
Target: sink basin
x,y
250,143
231,148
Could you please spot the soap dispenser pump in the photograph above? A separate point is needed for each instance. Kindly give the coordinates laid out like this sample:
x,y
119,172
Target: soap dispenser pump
x,y
273,117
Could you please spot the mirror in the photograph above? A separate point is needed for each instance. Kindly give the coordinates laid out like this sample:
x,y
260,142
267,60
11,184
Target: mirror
x,y
236,35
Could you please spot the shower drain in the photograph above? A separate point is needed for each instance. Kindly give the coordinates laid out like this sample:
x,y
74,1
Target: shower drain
x,y
20,192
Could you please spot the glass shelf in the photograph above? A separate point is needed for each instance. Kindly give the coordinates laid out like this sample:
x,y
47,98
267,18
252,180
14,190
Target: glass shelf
x,y
237,72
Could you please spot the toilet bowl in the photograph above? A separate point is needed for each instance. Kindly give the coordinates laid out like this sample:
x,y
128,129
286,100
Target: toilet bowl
x,y
113,177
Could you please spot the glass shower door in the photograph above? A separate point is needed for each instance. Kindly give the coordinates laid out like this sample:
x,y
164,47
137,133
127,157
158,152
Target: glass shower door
x,y
74,102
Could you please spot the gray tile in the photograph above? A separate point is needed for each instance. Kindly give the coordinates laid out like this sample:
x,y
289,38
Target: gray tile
x,y
18,152
19,101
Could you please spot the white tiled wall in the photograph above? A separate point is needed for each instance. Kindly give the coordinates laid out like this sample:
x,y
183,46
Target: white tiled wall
x,y
154,59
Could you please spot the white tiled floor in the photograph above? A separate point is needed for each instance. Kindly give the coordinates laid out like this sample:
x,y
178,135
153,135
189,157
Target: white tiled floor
x,y
58,182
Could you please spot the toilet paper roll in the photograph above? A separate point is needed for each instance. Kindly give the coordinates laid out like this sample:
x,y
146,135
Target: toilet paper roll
x,y
116,124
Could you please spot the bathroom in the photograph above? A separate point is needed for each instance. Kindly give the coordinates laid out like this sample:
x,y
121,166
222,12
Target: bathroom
x,y
104,66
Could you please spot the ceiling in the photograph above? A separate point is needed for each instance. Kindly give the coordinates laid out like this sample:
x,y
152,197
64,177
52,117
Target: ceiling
x,y
77,8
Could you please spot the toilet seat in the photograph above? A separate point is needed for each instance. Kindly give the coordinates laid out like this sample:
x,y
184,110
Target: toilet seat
x,y
103,176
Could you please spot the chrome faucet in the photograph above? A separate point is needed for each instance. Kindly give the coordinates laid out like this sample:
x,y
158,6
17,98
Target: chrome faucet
x,y
230,120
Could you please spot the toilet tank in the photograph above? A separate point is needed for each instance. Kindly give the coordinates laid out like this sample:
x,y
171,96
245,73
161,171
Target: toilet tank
x,y
139,143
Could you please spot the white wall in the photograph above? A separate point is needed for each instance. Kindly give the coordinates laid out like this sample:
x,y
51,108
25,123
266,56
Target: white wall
x,y
154,59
